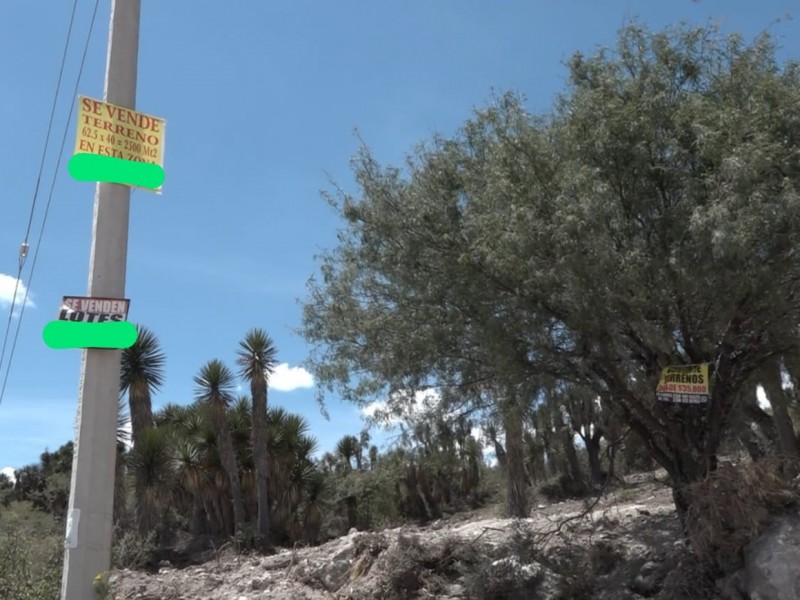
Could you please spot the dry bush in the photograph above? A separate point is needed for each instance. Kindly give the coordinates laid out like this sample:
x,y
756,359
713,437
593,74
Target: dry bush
x,y
513,572
367,548
564,488
733,506
689,580
412,565
604,557
504,579
577,578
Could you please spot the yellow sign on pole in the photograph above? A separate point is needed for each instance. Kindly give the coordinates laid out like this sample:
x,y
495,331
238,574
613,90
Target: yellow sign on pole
x,y
684,384
109,130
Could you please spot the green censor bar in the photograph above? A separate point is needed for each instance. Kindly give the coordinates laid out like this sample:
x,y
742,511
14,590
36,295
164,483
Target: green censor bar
x,y
60,335
93,167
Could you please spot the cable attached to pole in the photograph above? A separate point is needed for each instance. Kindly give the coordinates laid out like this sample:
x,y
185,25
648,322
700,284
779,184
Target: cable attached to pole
x,y
25,247
23,252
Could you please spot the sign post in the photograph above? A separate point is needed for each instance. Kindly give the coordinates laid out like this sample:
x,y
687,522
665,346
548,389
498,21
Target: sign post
x,y
91,501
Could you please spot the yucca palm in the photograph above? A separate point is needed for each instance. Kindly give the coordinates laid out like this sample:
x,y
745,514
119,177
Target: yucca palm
x,y
191,476
217,492
214,385
151,468
347,449
240,423
256,358
290,465
317,502
172,414
141,374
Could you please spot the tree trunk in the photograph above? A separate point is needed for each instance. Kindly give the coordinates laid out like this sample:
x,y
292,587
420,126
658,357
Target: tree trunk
x,y
260,449
517,497
575,471
596,474
141,411
431,506
228,459
196,522
351,504
773,385
120,506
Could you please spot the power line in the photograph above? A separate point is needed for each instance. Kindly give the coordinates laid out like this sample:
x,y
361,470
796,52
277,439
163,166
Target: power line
x,y
49,198
23,251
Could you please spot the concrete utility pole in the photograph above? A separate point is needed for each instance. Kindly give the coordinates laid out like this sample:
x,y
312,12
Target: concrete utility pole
x,y
91,501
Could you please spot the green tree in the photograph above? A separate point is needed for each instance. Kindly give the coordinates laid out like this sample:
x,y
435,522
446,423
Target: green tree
x,y
649,220
257,360
214,386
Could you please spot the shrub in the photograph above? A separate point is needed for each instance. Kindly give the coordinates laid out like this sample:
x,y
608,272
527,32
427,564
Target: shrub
x,y
31,554
504,579
733,506
130,550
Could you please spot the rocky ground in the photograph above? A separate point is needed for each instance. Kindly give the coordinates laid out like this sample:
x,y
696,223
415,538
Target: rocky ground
x,y
625,546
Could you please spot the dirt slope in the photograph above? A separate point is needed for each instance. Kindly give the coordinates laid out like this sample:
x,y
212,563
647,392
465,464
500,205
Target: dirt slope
x,y
625,547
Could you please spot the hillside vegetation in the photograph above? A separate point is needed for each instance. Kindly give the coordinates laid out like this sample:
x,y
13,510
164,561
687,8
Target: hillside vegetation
x,y
520,285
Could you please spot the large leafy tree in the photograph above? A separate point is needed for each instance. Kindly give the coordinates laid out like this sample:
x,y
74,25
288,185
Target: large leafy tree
x,y
649,220
257,359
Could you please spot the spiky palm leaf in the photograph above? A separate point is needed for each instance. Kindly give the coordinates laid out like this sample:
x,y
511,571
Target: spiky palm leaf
x,y
171,414
215,384
257,354
346,450
188,465
141,374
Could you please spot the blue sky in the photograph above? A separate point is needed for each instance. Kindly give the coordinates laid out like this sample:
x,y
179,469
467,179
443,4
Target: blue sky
x,y
261,99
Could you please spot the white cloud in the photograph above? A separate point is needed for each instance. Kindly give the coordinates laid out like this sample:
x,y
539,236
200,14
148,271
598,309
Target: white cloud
x,y
370,409
7,285
10,473
287,379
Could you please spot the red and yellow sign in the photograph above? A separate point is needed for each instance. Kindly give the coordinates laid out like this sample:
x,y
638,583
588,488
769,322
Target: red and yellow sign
x,y
109,130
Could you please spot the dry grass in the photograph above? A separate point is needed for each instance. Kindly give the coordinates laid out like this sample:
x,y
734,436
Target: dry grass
x,y
733,505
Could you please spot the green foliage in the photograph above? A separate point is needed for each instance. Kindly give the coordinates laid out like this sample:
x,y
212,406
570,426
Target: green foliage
x,y
46,484
31,553
648,220
131,550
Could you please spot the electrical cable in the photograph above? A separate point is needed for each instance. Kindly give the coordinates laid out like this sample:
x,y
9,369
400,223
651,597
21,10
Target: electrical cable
x,y
49,198
23,251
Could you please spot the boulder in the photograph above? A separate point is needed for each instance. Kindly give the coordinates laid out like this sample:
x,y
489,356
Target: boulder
x,y
772,562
